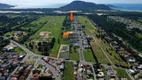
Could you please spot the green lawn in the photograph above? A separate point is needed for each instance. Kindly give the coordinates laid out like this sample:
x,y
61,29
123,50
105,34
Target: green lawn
x,y
68,72
9,33
139,35
122,73
19,50
89,56
74,55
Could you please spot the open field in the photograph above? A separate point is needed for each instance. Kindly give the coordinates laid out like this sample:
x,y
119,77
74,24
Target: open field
x,y
88,56
99,46
122,73
74,55
34,25
19,50
68,72
83,20
53,27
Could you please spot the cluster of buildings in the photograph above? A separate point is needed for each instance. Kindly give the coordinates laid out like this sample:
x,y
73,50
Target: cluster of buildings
x,y
85,41
59,65
99,72
110,72
9,48
17,35
83,71
74,37
100,75
41,73
129,22
121,48
8,63
22,72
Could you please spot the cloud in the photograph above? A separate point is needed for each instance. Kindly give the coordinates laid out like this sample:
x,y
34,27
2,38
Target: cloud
x,y
37,3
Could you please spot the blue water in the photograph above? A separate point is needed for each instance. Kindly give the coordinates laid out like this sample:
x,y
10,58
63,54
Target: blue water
x,y
128,7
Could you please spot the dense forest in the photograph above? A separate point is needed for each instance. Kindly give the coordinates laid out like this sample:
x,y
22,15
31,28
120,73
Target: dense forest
x,y
11,23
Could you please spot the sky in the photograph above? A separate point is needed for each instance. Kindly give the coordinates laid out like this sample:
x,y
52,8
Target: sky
x,y
53,3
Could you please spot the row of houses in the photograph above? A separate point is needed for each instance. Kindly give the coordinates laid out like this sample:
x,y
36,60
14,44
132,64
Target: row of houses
x,y
57,64
22,72
119,46
8,63
41,73
81,70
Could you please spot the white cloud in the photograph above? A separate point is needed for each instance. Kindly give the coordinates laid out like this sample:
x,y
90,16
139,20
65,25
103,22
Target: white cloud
x,y
36,3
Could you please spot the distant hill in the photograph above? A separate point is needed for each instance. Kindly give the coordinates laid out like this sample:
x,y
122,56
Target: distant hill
x,y
5,6
110,5
81,5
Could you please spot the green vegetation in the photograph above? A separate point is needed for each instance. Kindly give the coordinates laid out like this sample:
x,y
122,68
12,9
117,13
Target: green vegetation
x,y
19,50
29,57
8,34
68,72
122,73
100,46
35,57
40,66
139,35
88,56
52,28
74,55
120,29
30,62
105,72
83,20
34,25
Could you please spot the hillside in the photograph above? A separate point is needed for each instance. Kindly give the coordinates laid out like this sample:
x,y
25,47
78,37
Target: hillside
x,y
81,5
5,6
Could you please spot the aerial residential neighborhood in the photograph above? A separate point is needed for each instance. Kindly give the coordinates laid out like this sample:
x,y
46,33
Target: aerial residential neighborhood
x,y
78,41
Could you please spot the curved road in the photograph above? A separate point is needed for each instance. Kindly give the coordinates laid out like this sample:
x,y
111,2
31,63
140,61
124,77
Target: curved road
x,y
52,69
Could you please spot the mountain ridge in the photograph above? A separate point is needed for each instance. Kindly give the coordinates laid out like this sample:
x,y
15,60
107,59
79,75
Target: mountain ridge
x,y
82,5
7,6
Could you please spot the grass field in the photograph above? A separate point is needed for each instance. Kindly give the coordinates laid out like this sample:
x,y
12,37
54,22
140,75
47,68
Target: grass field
x,y
68,72
122,73
88,56
9,33
74,55
34,25
83,20
19,50
53,26
99,46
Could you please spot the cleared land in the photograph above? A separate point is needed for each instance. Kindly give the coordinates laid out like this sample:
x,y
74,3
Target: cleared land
x,y
99,46
68,72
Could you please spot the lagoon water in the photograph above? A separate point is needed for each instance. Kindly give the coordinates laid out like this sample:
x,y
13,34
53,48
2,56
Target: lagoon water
x,y
127,7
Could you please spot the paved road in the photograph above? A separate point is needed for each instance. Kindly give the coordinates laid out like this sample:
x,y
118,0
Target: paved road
x,y
52,69
39,60
81,48
76,25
